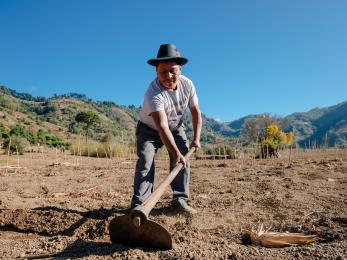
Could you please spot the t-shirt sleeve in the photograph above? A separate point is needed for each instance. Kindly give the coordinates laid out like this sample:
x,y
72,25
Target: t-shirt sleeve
x,y
193,99
153,103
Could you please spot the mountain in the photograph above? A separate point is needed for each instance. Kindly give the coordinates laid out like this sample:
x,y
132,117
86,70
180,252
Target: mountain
x,y
56,116
319,126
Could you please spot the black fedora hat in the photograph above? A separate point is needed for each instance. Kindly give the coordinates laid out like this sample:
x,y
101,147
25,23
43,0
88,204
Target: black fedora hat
x,y
168,52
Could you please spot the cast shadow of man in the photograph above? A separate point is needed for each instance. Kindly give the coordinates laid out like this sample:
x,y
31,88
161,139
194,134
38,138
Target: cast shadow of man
x,y
84,248
101,214
43,221
80,247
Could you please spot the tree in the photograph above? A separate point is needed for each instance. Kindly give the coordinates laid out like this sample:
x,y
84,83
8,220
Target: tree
x,y
4,90
273,139
255,126
88,118
15,144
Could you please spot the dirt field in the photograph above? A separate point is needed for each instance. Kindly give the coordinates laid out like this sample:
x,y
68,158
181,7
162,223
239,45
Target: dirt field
x,y
59,204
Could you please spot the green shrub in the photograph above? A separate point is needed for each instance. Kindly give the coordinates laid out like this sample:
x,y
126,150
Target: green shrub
x,y
50,140
15,145
19,133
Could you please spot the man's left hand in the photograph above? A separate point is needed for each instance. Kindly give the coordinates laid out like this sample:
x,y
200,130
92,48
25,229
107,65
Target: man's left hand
x,y
195,143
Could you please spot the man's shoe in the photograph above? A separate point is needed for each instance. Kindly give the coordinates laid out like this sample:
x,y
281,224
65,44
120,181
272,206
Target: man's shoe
x,y
132,206
182,207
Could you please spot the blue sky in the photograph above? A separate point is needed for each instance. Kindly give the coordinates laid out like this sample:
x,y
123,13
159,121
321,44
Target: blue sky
x,y
245,57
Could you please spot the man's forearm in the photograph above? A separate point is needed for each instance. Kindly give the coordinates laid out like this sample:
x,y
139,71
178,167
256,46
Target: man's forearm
x,y
168,140
165,134
197,123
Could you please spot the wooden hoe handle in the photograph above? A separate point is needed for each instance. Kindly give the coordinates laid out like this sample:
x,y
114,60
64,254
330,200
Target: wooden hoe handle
x,y
142,211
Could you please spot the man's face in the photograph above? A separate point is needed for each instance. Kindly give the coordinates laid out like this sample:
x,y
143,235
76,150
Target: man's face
x,y
168,74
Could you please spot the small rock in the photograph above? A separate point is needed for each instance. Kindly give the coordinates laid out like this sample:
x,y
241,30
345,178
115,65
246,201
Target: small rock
x,y
233,256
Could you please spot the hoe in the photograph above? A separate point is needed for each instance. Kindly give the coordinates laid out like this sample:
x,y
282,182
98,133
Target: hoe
x,y
135,229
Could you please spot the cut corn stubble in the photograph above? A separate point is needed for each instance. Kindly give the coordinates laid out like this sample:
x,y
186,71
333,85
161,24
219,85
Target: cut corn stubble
x,y
278,239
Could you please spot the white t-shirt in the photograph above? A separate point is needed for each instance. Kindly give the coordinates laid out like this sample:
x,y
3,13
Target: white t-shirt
x,y
174,103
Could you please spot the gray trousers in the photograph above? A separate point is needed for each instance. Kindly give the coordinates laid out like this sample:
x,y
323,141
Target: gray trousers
x,y
148,142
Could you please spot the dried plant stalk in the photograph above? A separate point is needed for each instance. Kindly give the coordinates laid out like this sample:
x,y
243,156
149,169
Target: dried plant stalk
x,y
278,239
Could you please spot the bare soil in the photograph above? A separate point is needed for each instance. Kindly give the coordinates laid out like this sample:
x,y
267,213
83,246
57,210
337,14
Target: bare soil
x,y
59,205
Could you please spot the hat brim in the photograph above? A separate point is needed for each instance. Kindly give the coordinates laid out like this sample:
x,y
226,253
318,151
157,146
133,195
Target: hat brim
x,y
179,60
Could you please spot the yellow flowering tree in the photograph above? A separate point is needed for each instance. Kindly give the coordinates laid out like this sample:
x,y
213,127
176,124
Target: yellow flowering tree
x,y
272,140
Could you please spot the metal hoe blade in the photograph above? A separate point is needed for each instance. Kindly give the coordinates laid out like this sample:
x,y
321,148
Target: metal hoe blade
x,y
149,234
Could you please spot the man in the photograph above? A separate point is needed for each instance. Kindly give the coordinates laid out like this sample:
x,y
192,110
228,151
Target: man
x,y
160,124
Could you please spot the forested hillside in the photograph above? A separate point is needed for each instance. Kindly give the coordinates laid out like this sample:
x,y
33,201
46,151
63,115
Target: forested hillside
x,y
326,126
56,117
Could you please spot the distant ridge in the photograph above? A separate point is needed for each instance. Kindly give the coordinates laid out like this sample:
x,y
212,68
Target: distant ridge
x,y
322,125
56,115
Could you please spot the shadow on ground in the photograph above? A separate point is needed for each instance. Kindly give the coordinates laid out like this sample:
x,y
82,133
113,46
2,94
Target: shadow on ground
x,y
52,221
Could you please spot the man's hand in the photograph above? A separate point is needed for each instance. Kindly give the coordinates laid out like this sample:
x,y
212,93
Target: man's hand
x,y
180,159
196,144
